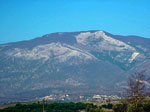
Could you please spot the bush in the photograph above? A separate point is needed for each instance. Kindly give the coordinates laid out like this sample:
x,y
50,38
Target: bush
x,y
146,106
133,108
90,109
107,106
120,108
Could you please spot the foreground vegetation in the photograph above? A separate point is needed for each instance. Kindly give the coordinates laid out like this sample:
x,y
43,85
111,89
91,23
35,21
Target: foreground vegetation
x,y
58,107
126,107
78,107
51,107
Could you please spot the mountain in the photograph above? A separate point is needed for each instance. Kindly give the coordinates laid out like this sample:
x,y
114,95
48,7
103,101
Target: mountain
x,y
85,62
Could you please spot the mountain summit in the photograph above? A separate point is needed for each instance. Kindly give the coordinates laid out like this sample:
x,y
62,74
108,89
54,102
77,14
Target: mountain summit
x,y
83,62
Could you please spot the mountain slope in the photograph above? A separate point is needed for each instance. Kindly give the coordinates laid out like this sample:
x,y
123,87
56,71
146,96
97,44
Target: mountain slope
x,y
70,63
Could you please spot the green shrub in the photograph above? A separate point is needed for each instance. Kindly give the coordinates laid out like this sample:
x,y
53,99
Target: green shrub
x,y
133,108
120,108
90,109
146,106
107,106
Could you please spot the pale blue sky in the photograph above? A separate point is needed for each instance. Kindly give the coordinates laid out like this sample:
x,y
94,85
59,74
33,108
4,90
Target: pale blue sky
x,y
27,19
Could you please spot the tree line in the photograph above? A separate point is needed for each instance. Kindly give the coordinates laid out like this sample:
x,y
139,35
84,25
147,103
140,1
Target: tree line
x,y
49,107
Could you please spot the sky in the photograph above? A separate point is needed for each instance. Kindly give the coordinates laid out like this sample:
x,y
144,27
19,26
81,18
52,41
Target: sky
x,y
27,19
